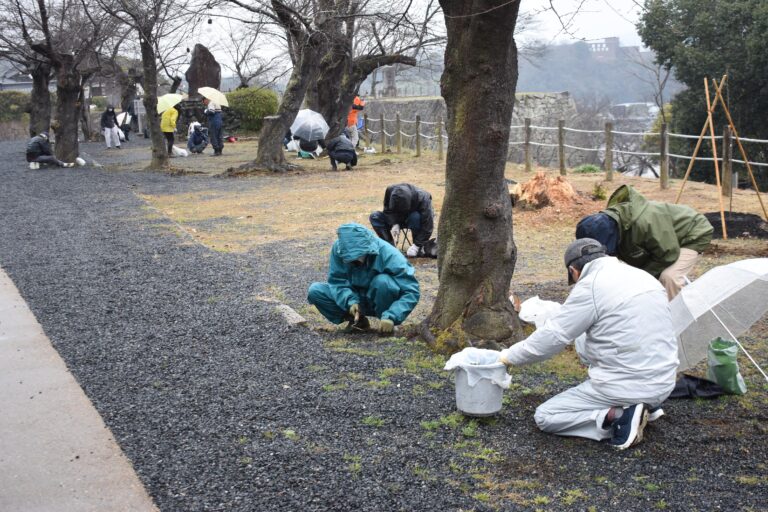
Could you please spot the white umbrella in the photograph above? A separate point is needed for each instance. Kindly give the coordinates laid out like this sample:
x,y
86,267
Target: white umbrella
x,y
214,95
309,125
724,302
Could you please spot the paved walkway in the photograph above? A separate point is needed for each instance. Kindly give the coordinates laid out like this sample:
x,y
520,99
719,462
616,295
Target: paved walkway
x,y
55,451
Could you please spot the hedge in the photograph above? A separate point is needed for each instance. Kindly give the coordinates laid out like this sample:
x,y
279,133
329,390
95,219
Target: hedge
x,y
13,105
251,105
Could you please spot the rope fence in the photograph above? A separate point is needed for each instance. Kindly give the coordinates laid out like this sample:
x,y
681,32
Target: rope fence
x,y
604,145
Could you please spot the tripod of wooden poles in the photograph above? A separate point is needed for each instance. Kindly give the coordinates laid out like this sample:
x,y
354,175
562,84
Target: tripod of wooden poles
x,y
709,126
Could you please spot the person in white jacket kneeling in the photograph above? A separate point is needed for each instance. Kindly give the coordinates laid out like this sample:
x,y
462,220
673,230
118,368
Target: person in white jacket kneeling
x,y
630,348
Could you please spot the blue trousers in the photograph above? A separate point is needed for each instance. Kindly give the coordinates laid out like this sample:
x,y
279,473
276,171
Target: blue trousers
x,y
384,222
382,292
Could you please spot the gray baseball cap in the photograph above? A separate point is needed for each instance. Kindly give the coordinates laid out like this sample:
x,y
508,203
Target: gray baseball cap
x,y
580,248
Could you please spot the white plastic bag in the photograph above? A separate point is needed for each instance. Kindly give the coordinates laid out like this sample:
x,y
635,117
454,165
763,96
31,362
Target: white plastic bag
x,y
293,145
480,363
121,135
536,311
180,152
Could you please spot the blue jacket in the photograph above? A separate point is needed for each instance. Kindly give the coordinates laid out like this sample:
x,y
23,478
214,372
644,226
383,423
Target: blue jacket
x,y
349,282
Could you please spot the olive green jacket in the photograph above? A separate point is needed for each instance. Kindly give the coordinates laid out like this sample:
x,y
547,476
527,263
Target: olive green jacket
x,y
652,233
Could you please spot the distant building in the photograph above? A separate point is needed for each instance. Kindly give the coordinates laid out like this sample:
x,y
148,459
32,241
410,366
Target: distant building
x,y
11,79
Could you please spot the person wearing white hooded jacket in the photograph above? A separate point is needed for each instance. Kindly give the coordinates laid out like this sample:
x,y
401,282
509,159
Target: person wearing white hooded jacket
x,y
630,348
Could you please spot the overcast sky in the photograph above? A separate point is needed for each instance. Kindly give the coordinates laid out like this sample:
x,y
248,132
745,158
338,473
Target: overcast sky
x,y
596,19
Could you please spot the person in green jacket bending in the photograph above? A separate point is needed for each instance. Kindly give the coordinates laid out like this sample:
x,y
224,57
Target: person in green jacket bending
x,y
367,277
663,239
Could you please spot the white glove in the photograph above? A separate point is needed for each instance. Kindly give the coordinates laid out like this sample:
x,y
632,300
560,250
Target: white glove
x,y
413,251
395,232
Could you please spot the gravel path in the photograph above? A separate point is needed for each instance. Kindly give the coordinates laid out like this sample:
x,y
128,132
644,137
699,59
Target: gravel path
x,y
221,407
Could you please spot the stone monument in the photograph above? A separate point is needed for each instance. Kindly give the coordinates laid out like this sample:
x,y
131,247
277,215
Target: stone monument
x,y
203,71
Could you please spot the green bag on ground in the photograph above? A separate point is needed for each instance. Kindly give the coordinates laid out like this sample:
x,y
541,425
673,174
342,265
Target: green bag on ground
x,y
723,367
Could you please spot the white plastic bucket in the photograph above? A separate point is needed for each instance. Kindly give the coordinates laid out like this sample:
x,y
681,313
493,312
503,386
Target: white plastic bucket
x,y
480,381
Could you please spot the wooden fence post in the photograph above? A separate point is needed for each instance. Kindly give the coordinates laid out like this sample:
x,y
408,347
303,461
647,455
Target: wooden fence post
x,y
608,151
561,145
418,135
398,141
439,133
663,158
527,145
727,163
383,134
366,131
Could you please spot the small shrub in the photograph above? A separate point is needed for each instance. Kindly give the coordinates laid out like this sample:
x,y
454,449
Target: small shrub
x,y
599,193
99,103
587,169
13,105
251,105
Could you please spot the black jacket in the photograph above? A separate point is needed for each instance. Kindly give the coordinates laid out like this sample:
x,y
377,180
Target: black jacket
x,y
109,119
401,200
38,146
340,143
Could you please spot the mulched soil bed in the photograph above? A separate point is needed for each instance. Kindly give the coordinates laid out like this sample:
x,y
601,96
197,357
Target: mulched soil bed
x,y
222,407
738,225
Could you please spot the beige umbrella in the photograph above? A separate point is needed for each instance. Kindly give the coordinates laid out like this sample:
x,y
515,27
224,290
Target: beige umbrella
x,y
167,101
214,95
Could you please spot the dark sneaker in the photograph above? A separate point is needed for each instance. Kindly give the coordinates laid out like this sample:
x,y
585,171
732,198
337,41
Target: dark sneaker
x,y
655,413
628,430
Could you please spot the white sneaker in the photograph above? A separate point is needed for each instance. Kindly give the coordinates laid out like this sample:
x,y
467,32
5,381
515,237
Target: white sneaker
x,y
34,165
654,414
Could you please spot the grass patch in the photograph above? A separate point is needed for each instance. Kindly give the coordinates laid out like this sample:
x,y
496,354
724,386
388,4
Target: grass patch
x,y
374,421
330,388
572,496
290,434
378,384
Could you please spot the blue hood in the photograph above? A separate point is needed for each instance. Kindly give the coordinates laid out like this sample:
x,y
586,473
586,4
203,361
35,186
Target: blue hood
x,y
355,240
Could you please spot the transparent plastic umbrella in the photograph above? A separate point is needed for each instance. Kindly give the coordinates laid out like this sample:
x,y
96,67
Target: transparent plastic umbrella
x,y
724,302
309,125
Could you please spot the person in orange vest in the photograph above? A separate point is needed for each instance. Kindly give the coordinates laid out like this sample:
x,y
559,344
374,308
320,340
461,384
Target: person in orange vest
x,y
357,105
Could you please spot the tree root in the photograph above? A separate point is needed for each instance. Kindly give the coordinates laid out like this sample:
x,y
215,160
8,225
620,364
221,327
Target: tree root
x,y
255,167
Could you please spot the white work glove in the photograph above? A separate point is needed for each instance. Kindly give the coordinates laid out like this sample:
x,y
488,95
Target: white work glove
x,y
412,251
395,232
503,357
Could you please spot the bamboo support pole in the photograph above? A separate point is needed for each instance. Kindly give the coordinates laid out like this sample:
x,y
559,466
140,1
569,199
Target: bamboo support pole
x,y
727,163
735,134
714,158
698,142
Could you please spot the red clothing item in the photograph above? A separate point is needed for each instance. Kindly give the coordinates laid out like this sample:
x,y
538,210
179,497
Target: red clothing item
x,y
357,105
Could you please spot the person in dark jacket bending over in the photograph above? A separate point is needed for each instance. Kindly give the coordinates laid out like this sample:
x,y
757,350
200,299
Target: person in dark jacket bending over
x,y
341,149
366,277
663,239
408,206
39,152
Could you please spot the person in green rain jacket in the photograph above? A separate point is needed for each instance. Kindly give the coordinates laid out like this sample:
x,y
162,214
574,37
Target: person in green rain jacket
x,y
663,239
367,277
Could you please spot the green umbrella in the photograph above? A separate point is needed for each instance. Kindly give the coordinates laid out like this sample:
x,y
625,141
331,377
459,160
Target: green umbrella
x,y
167,101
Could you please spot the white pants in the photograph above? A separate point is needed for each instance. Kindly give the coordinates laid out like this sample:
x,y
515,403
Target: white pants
x,y
673,277
580,411
112,136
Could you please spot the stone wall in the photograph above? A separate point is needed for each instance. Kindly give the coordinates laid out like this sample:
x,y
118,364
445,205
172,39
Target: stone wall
x,y
544,109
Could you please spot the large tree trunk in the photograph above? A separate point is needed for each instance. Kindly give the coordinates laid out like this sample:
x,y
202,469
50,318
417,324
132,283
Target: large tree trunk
x,y
477,253
40,104
270,154
159,148
68,89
